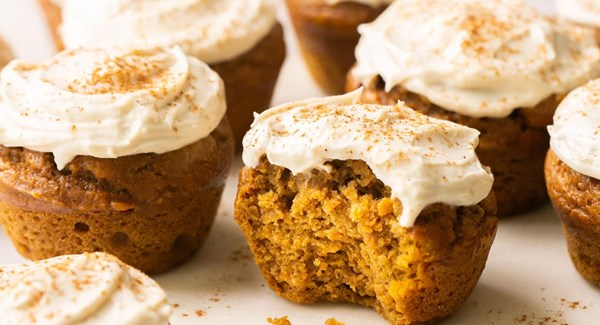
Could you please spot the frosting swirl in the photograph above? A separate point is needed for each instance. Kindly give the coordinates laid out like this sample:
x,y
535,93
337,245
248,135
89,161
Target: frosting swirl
x,y
423,160
477,58
92,288
575,134
109,104
580,11
211,30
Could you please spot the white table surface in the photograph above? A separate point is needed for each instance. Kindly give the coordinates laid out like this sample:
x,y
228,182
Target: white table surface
x,y
529,278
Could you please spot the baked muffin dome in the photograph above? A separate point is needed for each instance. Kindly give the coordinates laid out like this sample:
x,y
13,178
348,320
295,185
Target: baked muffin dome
x,y
497,66
573,173
89,288
240,40
327,35
123,151
362,203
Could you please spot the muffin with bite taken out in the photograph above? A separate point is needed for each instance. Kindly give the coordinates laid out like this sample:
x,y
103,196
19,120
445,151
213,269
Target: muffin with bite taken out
x,y
369,204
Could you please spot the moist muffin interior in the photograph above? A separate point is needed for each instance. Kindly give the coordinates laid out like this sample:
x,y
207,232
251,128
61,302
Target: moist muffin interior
x,y
335,236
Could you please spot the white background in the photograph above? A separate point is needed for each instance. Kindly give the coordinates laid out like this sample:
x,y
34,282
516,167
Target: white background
x,y
529,278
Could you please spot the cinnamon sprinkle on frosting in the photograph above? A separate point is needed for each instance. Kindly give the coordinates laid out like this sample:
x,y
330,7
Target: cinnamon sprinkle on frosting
x,y
91,288
109,103
476,58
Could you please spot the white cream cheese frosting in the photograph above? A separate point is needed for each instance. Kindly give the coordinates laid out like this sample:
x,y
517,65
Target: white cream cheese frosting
x,y
90,289
476,58
423,160
371,3
580,11
109,104
211,30
575,133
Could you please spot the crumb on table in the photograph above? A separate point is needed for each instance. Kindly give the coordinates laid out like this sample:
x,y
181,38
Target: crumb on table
x,y
333,321
279,320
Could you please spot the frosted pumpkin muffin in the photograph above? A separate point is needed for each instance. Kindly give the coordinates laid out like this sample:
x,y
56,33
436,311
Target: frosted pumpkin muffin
x,y
91,288
5,54
374,205
240,39
123,151
585,12
573,176
497,66
327,35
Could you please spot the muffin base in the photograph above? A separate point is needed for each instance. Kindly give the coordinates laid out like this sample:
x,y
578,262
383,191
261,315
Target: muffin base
x,y
514,147
54,18
576,200
151,211
250,81
335,237
327,36
5,54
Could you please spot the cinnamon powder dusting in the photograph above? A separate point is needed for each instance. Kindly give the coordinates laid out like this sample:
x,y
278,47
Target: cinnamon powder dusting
x,y
135,70
482,27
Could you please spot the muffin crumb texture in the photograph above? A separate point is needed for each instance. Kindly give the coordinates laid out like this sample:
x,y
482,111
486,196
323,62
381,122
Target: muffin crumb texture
x,y
335,237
